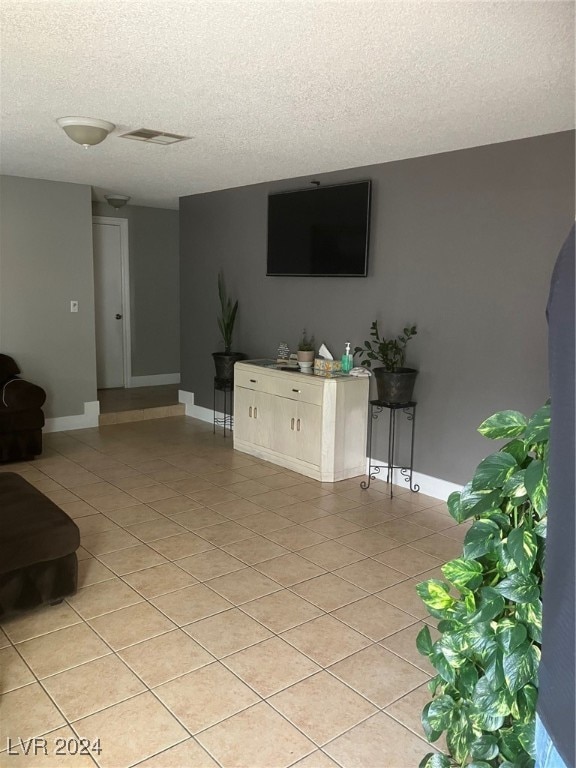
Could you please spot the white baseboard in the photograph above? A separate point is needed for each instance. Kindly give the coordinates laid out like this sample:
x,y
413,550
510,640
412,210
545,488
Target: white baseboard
x,y
197,411
431,486
154,381
81,421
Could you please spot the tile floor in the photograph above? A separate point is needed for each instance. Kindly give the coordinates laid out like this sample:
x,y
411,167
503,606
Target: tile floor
x,y
229,613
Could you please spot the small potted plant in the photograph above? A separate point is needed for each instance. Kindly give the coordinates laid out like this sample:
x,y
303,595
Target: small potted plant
x,y
395,383
305,353
224,361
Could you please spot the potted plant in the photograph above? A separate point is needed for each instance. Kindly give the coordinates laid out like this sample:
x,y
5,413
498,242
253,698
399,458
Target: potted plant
x,y
224,361
305,353
394,382
490,610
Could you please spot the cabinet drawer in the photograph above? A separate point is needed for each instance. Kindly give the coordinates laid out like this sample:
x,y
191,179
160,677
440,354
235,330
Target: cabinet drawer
x,y
296,389
252,380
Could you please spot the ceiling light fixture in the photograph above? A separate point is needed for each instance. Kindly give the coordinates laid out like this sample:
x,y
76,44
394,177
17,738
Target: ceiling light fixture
x,y
116,201
86,131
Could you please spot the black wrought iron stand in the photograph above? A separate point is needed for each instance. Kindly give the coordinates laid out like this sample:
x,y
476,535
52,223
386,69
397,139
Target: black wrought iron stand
x,y
226,421
376,408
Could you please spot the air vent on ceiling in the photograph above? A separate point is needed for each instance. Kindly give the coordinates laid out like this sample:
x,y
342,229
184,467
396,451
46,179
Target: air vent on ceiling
x,y
154,137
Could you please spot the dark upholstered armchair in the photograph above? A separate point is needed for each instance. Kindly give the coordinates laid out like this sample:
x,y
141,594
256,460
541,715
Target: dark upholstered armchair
x,y
21,417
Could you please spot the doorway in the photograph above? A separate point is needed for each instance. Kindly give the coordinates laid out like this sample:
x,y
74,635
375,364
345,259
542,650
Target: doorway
x,y
111,302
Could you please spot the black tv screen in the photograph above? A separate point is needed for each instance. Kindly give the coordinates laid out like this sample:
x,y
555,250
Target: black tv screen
x,y
321,231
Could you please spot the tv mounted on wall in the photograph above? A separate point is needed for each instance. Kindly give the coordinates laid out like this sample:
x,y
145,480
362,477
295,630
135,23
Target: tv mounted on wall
x,y
320,231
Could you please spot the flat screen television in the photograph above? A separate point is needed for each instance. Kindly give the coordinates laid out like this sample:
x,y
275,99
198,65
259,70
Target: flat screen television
x,y
320,231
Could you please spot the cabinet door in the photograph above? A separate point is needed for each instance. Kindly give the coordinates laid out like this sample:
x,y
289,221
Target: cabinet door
x,y
297,430
253,416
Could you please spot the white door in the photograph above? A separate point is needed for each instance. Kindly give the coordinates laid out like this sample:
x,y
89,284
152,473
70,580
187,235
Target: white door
x,y
109,292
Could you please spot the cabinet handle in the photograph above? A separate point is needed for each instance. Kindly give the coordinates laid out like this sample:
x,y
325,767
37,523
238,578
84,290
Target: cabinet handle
x,y
255,412
292,424
250,412
253,381
296,390
298,425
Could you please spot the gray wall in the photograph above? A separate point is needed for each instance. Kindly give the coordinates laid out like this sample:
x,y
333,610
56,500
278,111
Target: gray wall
x,y
462,244
154,286
45,261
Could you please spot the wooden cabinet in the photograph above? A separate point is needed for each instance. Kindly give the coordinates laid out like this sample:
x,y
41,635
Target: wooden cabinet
x,y
311,424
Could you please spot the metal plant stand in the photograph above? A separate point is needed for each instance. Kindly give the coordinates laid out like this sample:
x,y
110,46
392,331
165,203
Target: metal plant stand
x,y
226,421
376,408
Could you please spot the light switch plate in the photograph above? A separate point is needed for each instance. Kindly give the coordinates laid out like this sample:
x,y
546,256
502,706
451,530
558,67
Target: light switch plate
x,y
73,306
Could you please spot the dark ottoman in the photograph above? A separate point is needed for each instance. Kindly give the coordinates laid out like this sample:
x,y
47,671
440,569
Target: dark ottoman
x,y
38,543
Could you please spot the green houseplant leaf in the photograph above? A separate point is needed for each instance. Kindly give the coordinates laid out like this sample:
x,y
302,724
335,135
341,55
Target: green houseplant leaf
x,y
487,655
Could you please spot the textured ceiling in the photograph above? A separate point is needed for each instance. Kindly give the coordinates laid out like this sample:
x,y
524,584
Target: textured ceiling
x,y
273,89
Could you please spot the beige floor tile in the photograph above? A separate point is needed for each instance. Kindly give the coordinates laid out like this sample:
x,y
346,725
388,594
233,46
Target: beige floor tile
x,y
322,707
174,505
405,597
248,488
265,522
238,509
117,500
136,480
75,509
439,546
256,738
434,518
367,516
189,485
370,575
273,500
255,550
210,564
103,597
316,760
62,649
403,531
150,493
168,473
368,542
132,559
289,569
279,481
13,671
329,591
156,529
374,618
51,753
335,504
242,586
191,604
159,580
458,532
378,741
331,555
281,610
166,657
4,642
403,644
408,711
296,537
135,729
379,675
93,686
408,560
96,523
194,519
227,632
82,554
302,511
224,478
325,640
206,696
270,666
93,490
307,491
188,753
61,496
224,533
258,471
332,526
108,541
141,513
92,571
180,546
39,622
131,625
211,496
27,712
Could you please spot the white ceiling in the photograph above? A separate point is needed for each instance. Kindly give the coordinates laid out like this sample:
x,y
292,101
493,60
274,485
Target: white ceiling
x,y
270,89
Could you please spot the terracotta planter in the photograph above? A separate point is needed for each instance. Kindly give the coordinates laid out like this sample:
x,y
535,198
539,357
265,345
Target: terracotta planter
x,y
305,358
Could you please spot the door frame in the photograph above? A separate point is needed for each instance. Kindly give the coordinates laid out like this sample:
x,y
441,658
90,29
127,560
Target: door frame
x,y
125,271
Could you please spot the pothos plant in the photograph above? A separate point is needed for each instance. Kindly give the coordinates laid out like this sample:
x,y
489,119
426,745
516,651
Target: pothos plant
x,y
490,610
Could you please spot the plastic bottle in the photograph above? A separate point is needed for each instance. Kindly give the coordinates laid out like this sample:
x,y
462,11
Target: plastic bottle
x,y
347,360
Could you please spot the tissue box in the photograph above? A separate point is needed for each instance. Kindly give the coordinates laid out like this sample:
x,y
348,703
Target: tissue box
x,y
324,367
